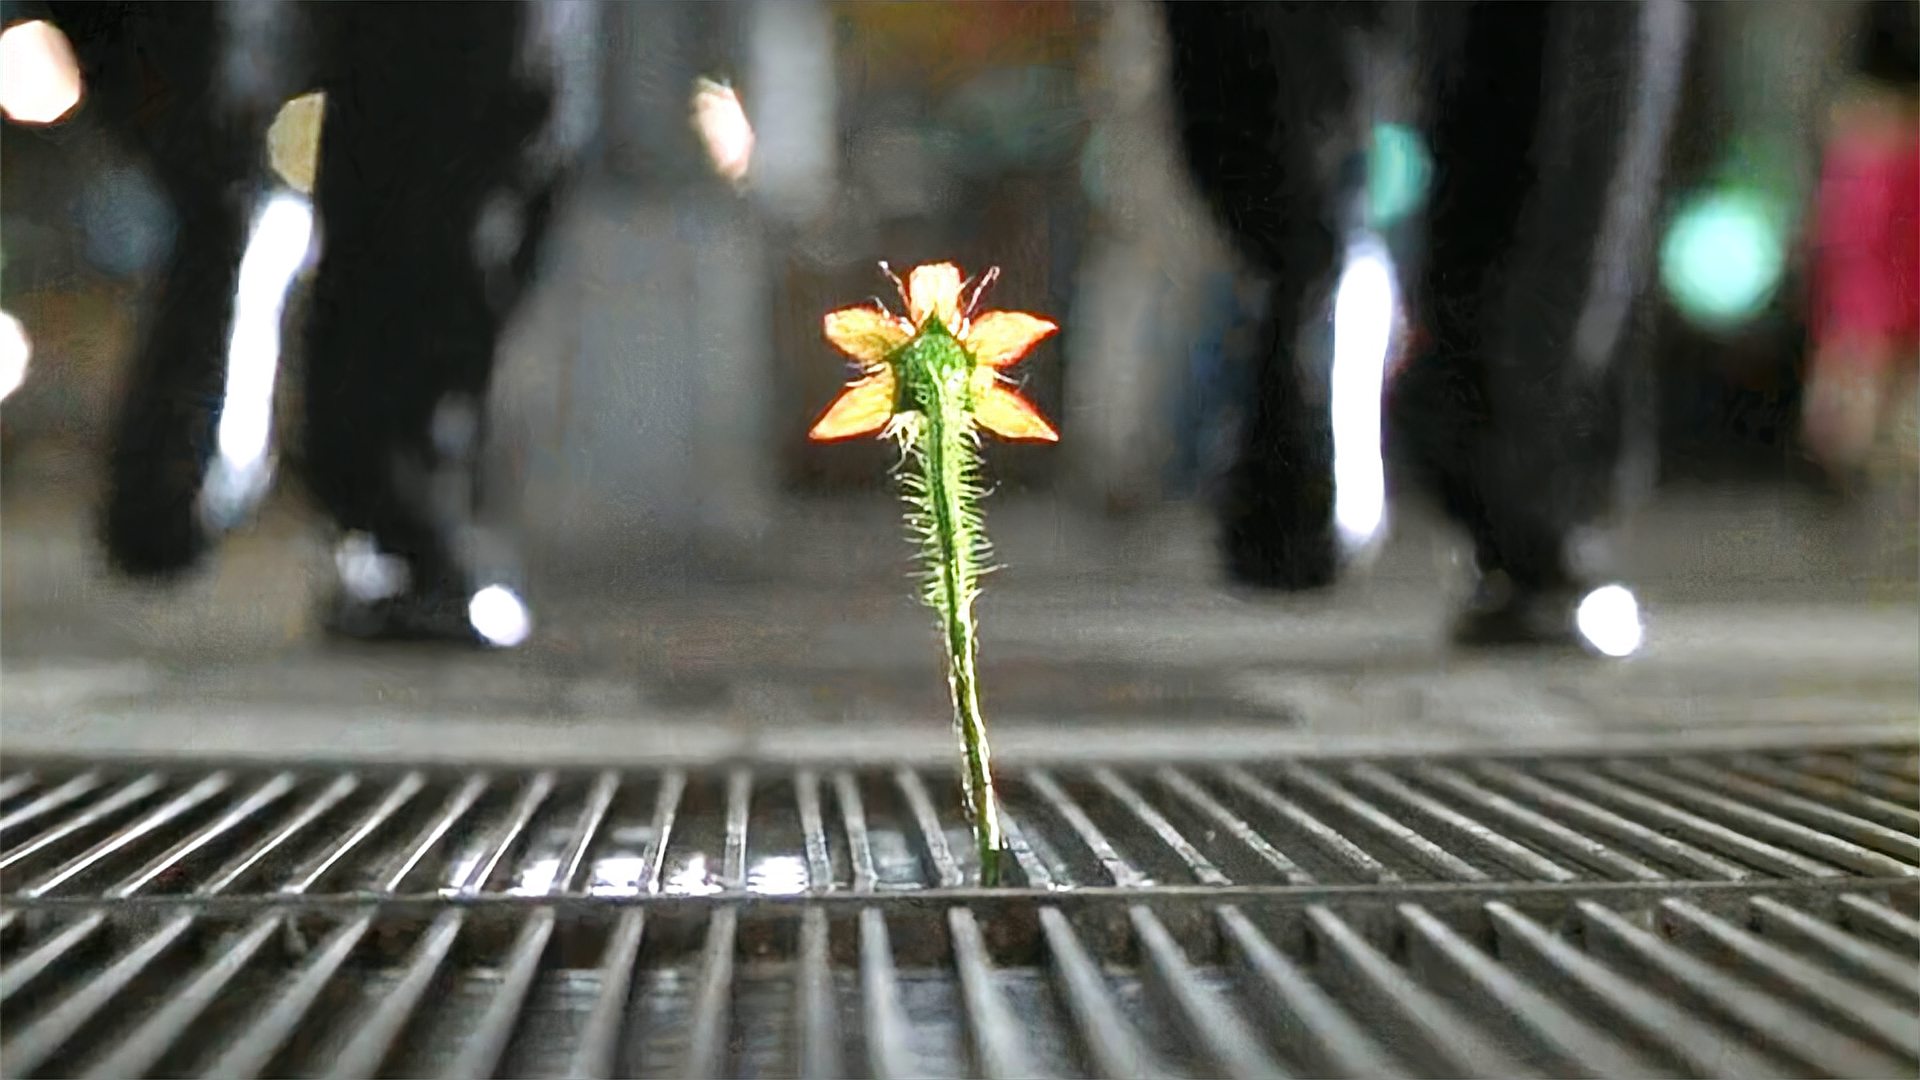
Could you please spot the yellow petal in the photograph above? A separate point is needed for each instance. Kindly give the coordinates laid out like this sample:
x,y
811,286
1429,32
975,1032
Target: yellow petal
x,y
862,409
934,289
293,140
867,334
1000,338
1010,416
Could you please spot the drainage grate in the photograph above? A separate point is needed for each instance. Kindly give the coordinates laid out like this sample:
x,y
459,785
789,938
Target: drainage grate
x,y
1701,914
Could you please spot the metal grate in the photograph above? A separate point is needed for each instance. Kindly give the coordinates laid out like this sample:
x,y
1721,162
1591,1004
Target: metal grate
x,y
1704,914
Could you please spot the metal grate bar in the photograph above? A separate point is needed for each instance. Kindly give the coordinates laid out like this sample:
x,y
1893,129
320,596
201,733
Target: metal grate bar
x,y
1402,837
818,1027
1862,1010
1330,841
859,846
1574,845
1108,1039
1196,796
1863,960
1037,874
1825,1051
27,1050
17,783
712,1000
158,1034
999,1048
324,860
1859,803
528,804
1867,834
1489,842
1431,1021
813,830
50,801
606,787
254,1051
124,838
1703,1050
261,797
1850,772
378,1030
598,1053
1647,842
1229,1042
481,1056
1124,793
24,972
1875,917
946,870
127,795
409,857
1771,826
1571,1044
1698,829
1903,763
733,863
888,1054
1118,870
1296,1007
313,810
666,814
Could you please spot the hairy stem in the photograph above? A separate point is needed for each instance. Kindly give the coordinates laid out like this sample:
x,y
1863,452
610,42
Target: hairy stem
x,y
944,496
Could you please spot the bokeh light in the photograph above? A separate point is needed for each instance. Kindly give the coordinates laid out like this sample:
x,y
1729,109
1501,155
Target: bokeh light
x,y
15,351
721,122
39,77
1399,172
1723,257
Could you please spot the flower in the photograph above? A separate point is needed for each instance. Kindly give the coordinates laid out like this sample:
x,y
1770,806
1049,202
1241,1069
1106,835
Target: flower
x,y
877,340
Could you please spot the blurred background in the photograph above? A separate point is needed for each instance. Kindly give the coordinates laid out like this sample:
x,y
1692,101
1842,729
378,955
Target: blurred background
x,y
689,555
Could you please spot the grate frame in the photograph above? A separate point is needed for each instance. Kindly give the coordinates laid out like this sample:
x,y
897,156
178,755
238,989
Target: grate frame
x,y
1713,913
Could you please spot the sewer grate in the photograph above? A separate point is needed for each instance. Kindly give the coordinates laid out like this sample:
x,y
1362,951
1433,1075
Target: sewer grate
x,y
1700,914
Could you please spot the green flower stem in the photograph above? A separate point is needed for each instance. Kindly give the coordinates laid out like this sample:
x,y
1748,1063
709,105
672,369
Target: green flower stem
x,y
942,490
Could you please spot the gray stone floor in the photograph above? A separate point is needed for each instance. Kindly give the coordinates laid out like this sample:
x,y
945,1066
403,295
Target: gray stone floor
x,y
1773,618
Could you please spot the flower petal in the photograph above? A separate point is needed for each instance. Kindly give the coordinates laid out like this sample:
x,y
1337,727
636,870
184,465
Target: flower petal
x,y
1000,338
862,408
867,334
1011,416
934,289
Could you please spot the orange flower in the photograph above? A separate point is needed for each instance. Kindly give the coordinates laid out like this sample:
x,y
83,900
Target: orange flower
x,y
877,340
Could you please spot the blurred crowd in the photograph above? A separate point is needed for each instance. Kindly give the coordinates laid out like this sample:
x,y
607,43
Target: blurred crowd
x,y
657,201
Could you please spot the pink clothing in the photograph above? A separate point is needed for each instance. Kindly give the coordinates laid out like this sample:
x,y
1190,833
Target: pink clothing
x,y
1866,256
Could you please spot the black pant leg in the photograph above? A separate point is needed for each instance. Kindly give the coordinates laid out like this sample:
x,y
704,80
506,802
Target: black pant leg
x,y
1548,139
159,75
444,144
1265,96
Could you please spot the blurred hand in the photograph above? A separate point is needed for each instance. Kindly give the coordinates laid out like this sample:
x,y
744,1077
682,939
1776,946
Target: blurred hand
x,y
39,77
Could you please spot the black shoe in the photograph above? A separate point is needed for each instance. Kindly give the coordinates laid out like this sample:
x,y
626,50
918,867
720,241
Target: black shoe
x,y
1604,621
379,599
1502,612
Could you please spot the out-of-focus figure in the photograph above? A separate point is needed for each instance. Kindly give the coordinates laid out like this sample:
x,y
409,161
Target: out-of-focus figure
x,y
1866,253
1547,126
446,136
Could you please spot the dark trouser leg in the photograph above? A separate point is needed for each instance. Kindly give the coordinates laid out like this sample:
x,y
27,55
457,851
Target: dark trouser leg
x,y
441,153
1549,138
1265,97
158,74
